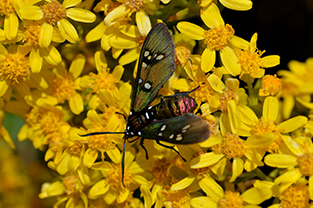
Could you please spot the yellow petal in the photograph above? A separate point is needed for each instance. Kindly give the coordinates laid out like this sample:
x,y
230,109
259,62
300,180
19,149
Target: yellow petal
x,y
62,167
184,183
203,202
212,189
118,72
237,169
100,188
191,30
256,141
96,33
123,42
76,104
31,12
270,109
70,3
207,60
129,57
241,5
118,13
54,189
291,176
35,60
81,15
69,30
3,87
292,124
230,61
51,55
271,61
211,16
216,83
280,160
11,24
256,196
90,157
205,160
45,36
146,194
114,154
234,116
143,22
77,65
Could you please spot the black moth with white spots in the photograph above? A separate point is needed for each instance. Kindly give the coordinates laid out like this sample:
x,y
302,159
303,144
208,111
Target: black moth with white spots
x,y
172,119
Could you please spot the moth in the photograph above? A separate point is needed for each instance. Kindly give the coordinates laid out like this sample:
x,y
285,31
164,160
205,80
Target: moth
x,y
172,119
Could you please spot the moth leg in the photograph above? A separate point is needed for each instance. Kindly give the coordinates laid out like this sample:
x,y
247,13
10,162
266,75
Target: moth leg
x,y
170,147
121,115
180,94
143,147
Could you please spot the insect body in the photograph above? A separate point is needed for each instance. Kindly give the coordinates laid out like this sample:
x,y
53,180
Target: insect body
x,y
171,120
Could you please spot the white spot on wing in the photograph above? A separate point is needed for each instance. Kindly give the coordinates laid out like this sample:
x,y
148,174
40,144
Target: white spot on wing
x,y
163,128
160,134
147,115
147,86
179,137
146,53
144,65
171,136
159,57
139,81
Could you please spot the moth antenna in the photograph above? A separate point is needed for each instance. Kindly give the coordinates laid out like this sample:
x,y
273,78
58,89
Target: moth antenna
x,y
99,133
123,163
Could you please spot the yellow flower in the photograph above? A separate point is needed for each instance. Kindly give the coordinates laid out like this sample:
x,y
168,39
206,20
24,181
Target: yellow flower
x,y
53,14
299,163
11,22
123,9
270,85
250,60
15,71
259,129
111,189
218,38
33,34
297,85
217,197
72,188
64,84
241,5
4,134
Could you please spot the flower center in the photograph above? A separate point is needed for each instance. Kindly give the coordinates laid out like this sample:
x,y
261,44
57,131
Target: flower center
x,y
217,37
182,55
53,12
75,149
71,185
232,146
176,199
135,4
103,80
159,170
6,7
271,85
231,199
295,196
63,87
31,35
306,164
14,67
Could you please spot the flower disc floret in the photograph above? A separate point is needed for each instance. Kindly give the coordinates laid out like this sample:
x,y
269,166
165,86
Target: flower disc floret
x,y
53,12
218,37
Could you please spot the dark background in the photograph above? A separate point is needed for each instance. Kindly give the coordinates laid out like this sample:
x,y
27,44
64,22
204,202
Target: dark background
x,y
284,27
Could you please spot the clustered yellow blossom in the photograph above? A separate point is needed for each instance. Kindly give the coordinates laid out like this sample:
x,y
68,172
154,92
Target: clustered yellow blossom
x,y
67,68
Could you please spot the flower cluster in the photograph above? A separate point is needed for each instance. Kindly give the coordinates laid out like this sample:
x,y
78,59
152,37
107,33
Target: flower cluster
x,y
66,69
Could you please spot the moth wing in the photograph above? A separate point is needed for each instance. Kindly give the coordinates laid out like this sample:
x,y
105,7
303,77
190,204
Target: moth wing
x,y
184,129
155,66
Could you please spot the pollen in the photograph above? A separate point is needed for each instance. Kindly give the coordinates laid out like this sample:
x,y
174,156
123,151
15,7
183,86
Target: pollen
x,y
231,199
270,85
56,141
31,35
6,7
224,98
177,199
295,196
232,146
102,143
218,37
134,4
72,185
306,164
203,94
53,12
103,80
159,170
114,178
63,87
262,127
14,67
250,61
75,149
